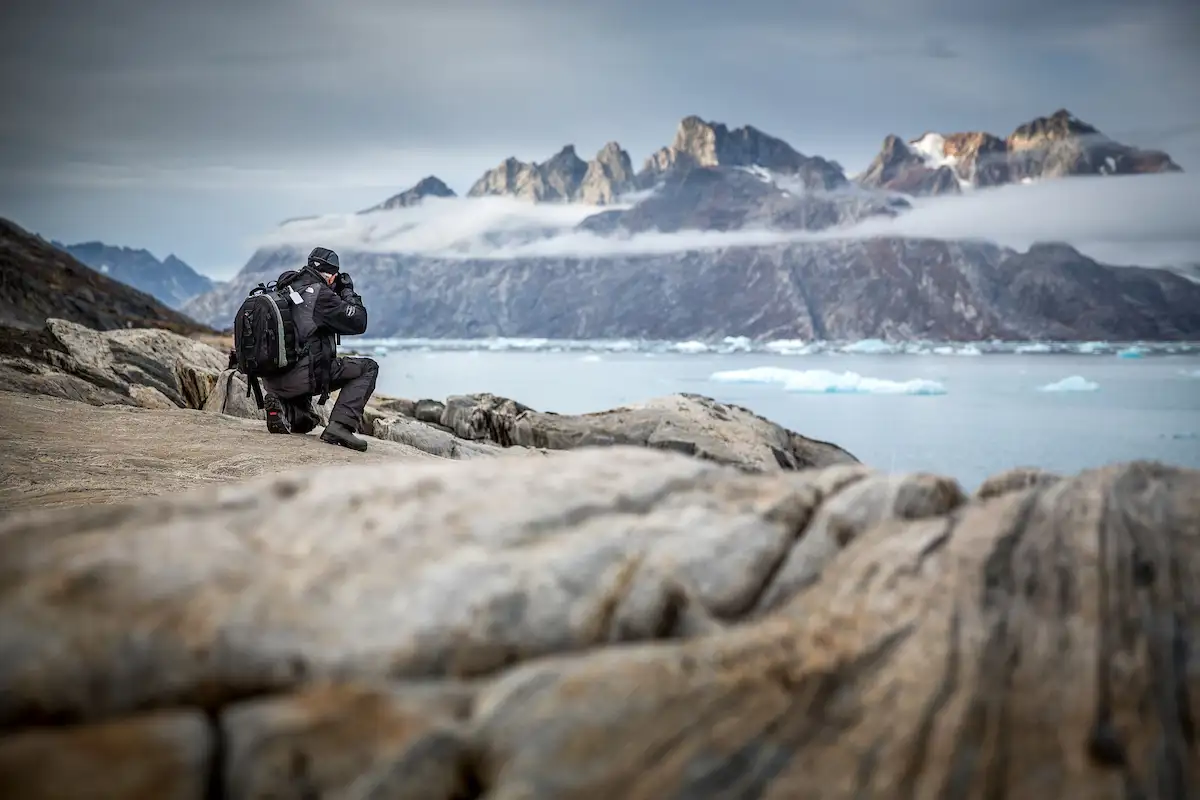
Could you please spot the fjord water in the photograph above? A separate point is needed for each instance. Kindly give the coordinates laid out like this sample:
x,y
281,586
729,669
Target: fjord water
x,y
992,415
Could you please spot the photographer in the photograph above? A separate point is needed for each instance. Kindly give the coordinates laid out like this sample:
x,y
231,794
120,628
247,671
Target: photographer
x,y
325,305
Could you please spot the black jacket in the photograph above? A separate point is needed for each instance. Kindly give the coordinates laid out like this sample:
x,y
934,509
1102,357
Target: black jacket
x,y
320,316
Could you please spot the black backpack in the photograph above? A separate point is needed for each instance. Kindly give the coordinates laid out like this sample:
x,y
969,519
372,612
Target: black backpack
x,y
264,336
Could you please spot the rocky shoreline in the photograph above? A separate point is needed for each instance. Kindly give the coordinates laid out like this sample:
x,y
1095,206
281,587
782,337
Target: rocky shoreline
x,y
678,599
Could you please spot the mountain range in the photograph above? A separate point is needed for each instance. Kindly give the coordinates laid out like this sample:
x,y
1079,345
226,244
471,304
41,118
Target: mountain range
x,y
715,180
170,280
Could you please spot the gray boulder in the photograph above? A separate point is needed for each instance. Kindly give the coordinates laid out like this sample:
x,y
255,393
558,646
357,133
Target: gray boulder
x,y
684,423
137,367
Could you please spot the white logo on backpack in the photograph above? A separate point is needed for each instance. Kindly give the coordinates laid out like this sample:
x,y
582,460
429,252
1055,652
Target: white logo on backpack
x,y
349,311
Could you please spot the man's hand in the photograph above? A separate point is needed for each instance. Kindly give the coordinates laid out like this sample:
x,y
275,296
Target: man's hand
x,y
233,362
343,282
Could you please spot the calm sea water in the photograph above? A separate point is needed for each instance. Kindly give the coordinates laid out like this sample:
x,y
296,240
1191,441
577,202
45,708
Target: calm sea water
x,y
992,415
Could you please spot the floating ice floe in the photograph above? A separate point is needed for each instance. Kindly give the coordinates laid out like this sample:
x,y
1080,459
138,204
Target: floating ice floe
x,y
1075,383
820,381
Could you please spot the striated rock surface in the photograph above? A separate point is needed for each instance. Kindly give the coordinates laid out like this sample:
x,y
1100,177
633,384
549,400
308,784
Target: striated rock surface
x,y
1031,646
1056,146
39,280
147,367
684,423
598,625
431,186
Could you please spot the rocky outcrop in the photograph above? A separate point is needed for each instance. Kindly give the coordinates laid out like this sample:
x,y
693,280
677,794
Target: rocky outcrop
x,y
39,281
685,423
431,186
1047,147
594,626
1061,145
558,179
699,142
609,175
161,371
565,177
146,367
899,168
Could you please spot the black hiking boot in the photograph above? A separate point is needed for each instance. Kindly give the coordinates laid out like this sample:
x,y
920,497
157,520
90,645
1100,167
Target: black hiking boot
x,y
277,421
340,433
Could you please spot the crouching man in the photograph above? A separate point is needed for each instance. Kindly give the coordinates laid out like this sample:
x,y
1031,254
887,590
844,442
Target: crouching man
x,y
329,306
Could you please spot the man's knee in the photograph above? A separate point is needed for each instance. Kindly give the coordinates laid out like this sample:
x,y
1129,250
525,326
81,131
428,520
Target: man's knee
x,y
370,367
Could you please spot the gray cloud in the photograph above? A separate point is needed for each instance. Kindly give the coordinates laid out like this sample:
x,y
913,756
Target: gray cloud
x,y
206,122
1145,220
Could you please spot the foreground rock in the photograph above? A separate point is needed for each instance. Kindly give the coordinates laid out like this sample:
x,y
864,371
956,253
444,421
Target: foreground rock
x,y
1032,645
685,423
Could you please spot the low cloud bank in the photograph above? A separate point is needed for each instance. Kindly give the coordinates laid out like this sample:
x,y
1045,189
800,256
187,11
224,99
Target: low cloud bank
x,y
1147,220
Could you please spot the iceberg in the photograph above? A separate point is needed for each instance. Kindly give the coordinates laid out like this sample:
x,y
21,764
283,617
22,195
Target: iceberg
x,y
870,347
1131,352
1075,383
820,381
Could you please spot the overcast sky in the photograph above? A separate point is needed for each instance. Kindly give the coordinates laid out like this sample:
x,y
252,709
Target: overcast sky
x,y
192,128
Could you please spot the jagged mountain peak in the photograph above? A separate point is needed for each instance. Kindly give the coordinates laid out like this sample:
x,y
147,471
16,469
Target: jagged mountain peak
x,y
429,186
564,177
705,143
1054,146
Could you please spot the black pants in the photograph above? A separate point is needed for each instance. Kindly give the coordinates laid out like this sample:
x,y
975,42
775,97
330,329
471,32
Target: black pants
x,y
355,377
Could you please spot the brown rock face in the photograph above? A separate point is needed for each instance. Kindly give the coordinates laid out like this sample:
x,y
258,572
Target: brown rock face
x,y
980,158
899,168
